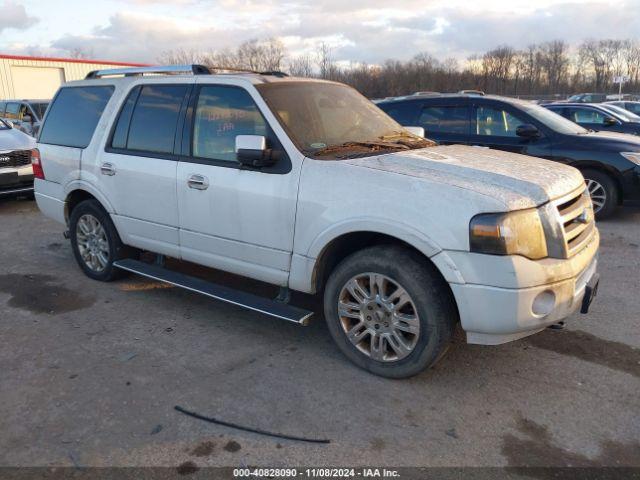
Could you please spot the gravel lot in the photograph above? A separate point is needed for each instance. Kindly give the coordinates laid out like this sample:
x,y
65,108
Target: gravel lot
x,y
90,374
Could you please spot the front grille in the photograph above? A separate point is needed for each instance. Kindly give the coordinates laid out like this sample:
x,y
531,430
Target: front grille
x,y
17,158
577,219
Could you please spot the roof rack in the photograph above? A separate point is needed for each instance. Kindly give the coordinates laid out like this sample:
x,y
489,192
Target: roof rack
x,y
135,71
173,70
471,92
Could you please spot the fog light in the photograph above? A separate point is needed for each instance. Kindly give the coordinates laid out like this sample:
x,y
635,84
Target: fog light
x,y
543,303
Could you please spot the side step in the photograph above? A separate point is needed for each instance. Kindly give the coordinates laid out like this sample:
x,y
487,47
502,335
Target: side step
x,y
267,306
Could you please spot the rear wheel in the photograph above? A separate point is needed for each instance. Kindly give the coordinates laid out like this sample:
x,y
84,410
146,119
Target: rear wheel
x,y
604,192
389,311
95,241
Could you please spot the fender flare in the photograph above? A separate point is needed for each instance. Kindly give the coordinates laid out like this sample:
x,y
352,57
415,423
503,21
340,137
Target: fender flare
x,y
406,233
89,188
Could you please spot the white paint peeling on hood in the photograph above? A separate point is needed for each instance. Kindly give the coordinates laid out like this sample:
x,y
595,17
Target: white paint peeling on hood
x,y
518,181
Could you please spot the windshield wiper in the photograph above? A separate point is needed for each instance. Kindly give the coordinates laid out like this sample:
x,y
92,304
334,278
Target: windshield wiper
x,y
373,145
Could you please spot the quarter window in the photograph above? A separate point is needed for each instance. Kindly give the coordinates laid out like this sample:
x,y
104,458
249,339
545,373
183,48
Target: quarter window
x,y
221,114
445,119
496,123
74,115
154,119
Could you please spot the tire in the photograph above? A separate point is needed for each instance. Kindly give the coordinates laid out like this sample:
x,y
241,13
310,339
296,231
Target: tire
x,y
603,190
429,299
104,239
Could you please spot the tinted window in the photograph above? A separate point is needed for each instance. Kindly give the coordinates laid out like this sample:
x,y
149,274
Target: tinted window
x,y
221,114
496,122
12,111
121,131
155,117
403,113
39,109
632,107
445,119
74,114
560,111
552,119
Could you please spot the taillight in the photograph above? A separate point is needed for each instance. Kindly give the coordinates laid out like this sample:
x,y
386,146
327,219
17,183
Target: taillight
x,y
38,172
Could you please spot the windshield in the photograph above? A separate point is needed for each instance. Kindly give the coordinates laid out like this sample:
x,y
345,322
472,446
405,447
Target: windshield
x,y
554,121
623,114
334,121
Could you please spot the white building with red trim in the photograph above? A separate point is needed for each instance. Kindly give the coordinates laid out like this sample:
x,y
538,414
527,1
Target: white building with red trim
x,y
39,77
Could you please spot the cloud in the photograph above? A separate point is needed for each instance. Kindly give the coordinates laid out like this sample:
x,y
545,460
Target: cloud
x,y
358,30
13,15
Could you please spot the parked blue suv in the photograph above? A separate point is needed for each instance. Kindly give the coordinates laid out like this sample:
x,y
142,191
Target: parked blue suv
x,y
610,162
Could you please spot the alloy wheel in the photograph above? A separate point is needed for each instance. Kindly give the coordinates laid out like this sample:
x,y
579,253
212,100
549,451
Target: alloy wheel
x,y
92,242
598,194
378,317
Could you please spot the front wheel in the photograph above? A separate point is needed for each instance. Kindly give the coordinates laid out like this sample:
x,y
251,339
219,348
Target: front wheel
x,y
389,311
95,241
603,191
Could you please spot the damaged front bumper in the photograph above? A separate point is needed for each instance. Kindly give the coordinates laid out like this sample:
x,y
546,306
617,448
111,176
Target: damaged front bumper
x,y
525,297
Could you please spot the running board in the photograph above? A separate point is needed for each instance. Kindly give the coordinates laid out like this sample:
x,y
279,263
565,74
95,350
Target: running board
x,y
256,303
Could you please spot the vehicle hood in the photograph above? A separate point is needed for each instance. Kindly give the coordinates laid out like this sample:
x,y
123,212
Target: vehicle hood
x,y
612,141
13,139
517,181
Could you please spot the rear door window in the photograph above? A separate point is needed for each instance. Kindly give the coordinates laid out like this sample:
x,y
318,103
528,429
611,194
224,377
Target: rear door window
x,y
402,112
154,119
74,115
445,119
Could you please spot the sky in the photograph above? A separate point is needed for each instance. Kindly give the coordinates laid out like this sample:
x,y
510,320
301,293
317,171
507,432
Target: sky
x,y
357,30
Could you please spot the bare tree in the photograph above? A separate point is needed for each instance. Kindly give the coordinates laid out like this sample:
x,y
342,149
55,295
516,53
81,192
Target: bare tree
x,y
547,68
301,66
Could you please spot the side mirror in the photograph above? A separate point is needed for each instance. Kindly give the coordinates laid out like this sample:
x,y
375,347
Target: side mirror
x,y
251,150
527,131
419,131
609,121
27,118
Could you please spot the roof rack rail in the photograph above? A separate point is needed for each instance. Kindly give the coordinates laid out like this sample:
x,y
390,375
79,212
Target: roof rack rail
x,y
139,71
274,73
175,69
471,92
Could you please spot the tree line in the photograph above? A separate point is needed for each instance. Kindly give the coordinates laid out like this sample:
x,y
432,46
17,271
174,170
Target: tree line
x,y
538,71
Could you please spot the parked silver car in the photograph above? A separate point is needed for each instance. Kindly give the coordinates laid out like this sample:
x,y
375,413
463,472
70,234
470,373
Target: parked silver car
x,y
25,115
16,172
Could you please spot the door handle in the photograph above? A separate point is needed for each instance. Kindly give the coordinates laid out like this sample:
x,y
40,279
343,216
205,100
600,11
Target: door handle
x,y
198,182
108,169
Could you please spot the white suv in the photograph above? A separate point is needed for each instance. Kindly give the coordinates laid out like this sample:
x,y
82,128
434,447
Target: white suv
x,y
307,185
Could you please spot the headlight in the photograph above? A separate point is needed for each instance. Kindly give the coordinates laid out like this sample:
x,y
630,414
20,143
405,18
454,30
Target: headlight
x,y
632,156
515,233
